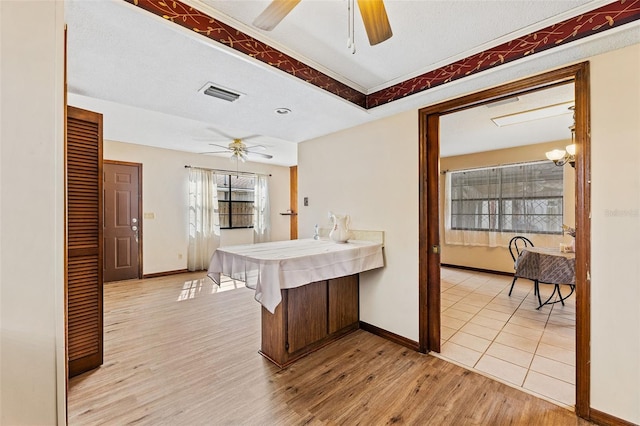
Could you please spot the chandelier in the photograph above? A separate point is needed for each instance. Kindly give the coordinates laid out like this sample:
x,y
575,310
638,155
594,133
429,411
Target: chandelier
x,y
560,157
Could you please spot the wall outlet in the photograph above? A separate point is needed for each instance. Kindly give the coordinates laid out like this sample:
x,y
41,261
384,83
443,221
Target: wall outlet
x,y
306,201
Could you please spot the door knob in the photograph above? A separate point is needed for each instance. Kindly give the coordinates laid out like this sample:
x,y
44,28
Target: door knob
x,y
134,228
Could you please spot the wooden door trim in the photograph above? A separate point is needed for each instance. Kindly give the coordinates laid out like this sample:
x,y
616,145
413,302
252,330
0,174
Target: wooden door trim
x,y
429,155
66,226
293,202
583,237
140,210
429,296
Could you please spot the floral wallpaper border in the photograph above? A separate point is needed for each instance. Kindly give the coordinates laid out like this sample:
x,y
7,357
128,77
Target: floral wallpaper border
x,y
609,16
604,18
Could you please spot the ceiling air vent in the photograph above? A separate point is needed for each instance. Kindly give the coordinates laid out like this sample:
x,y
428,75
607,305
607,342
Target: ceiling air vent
x,y
220,93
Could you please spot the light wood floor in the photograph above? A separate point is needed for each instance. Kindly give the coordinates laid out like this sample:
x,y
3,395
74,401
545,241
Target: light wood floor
x,y
178,352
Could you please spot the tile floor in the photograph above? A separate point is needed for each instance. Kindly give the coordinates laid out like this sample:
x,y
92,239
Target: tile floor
x,y
506,337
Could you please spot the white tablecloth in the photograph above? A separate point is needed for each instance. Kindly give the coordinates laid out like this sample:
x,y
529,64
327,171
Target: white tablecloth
x,y
270,267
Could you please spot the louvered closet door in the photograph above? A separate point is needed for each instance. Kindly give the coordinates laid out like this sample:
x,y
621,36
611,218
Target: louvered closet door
x,y
84,240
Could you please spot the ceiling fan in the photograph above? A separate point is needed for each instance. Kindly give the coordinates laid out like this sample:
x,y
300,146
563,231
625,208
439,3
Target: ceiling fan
x,y
239,150
374,17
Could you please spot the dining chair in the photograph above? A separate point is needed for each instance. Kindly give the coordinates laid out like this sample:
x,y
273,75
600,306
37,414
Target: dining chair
x,y
516,244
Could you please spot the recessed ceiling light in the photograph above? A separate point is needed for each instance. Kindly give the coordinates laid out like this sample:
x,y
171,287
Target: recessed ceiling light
x,y
283,111
533,114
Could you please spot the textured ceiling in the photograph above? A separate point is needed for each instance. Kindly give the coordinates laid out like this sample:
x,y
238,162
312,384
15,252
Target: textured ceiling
x,y
424,33
144,72
463,131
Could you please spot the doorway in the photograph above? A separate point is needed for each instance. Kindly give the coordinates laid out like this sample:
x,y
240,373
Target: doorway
x,y
122,221
429,229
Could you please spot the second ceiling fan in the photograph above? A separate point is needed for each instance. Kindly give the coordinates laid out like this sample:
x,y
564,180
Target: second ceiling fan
x,y
239,150
374,17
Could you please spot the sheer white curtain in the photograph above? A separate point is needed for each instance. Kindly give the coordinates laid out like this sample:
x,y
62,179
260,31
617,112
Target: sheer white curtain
x,y
262,216
456,236
490,206
204,221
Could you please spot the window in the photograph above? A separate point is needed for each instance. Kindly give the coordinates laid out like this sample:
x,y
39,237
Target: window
x,y
236,200
522,198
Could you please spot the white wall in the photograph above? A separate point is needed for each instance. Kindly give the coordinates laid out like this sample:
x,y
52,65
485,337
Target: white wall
x,y
615,228
165,193
32,361
371,173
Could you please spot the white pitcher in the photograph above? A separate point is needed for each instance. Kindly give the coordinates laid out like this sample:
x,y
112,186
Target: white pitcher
x,y
340,230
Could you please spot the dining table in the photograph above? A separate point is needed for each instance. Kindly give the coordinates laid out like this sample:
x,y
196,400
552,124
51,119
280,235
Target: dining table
x,y
548,265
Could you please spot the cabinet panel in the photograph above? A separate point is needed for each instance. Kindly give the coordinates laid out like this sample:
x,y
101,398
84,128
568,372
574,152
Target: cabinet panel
x,y
307,315
310,317
343,302
274,332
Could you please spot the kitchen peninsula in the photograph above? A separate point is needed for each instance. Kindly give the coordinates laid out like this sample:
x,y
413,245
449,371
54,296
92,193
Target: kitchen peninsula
x,y
308,289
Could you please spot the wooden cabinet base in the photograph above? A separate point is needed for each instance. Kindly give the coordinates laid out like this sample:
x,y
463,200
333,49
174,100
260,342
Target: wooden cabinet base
x,y
308,318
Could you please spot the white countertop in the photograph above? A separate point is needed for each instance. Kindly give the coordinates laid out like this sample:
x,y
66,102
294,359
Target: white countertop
x,y
270,267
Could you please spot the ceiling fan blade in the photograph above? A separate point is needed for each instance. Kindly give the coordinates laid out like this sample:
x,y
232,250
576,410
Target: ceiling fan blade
x,y
260,147
376,22
251,137
220,146
214,139
220,132
260,154
274,13
214,152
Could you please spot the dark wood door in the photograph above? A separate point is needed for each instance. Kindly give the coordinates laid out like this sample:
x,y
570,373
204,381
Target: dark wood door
x,y
122,224
84,240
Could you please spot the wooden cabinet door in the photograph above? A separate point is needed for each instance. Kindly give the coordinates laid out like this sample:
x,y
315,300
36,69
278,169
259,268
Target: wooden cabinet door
x,y
343,302
84,240
306,315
